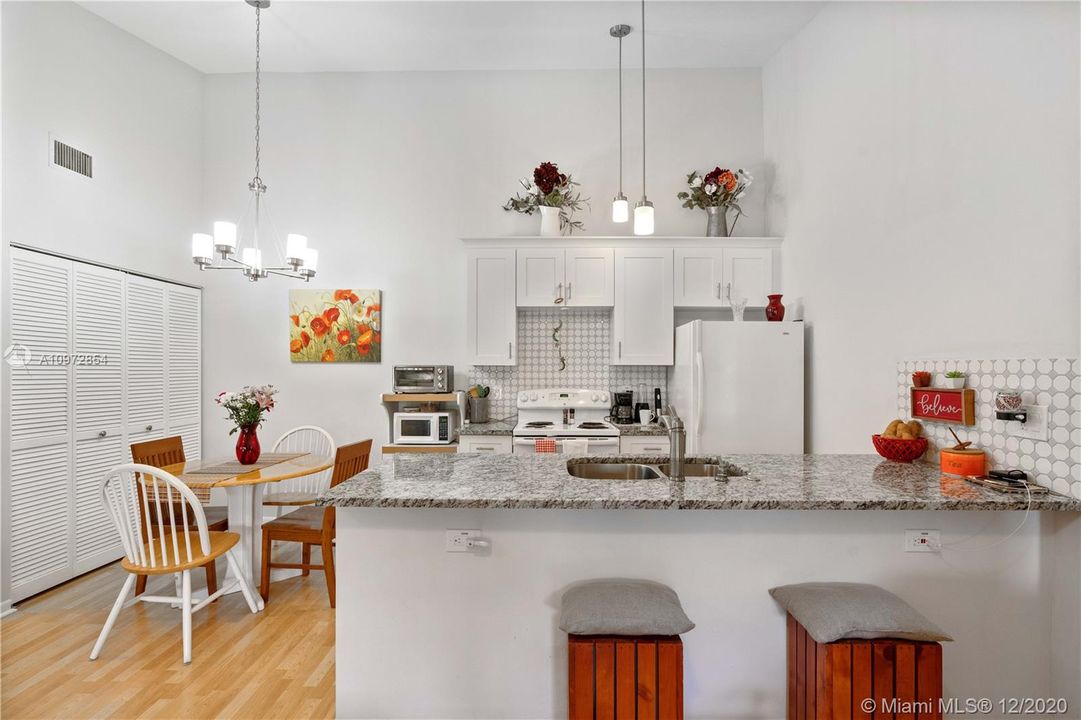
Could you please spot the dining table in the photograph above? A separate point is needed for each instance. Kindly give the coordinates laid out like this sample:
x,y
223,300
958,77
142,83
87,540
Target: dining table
x,y
244,486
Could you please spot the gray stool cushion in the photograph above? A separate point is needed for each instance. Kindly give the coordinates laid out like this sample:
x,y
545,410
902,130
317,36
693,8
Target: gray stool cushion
x,y
623,607
834,611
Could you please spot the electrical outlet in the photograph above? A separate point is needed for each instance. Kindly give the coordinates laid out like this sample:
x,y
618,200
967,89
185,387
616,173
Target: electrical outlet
x,y
460,540
923,541
1035,425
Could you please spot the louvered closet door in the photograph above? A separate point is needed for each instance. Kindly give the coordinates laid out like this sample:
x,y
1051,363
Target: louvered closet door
x,y
147,362
183,348
98,318
40,489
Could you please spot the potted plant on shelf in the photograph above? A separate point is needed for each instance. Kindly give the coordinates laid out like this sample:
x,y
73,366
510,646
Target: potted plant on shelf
x,y
555,196
246,410
955,379
921,379
717,192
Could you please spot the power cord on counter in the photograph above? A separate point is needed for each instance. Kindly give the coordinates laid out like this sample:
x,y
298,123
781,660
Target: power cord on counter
x,y
955,546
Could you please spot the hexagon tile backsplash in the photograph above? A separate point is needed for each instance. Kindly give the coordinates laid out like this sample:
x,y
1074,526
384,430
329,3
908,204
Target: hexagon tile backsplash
x,y
1054,382
585,342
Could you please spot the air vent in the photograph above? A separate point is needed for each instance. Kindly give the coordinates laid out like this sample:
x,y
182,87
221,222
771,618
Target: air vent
x,y
77,161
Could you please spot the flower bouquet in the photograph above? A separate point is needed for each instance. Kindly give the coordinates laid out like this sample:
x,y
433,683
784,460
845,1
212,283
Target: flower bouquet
x,y
554,195
716,192
246,410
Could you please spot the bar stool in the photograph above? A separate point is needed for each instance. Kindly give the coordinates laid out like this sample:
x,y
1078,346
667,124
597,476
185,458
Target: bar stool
x,y
851,646
624,653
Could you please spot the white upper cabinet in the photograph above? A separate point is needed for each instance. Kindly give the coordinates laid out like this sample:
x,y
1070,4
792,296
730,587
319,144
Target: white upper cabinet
x,y
491,315
577,277
710,277
590,277
748,273
541,280
699,277
643,317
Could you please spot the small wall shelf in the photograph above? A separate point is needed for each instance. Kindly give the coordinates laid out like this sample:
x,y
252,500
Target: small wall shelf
x,y
393,448
420,397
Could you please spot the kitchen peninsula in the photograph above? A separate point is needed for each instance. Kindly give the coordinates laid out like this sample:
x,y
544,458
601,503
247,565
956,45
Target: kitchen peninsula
x,y
407,605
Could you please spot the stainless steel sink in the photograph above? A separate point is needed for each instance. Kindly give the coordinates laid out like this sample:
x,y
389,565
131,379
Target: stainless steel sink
x,y
612,471
706,470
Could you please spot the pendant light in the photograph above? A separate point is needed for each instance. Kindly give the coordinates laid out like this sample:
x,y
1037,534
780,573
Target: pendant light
x,y
300,260
643,210
620,207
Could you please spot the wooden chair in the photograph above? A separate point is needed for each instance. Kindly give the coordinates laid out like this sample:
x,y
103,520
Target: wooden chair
x,y
301,490
175,549
169,451
312,525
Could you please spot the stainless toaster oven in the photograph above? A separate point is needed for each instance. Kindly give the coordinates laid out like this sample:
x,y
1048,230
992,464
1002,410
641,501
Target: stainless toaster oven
x,y
423,378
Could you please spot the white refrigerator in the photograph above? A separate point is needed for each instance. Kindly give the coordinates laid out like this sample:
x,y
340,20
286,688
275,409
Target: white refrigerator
x,y
738,386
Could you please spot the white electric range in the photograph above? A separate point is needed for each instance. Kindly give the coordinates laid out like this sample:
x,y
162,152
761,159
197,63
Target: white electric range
x,y
562,413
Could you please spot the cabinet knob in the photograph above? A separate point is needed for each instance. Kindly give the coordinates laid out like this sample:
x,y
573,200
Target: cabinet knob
x,y
102,433
149,428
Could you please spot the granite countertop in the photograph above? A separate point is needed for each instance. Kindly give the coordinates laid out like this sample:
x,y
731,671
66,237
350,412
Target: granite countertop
x,y
506,426
770,482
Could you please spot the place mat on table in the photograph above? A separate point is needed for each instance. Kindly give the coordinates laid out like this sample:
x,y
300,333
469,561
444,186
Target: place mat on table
x,y
230,468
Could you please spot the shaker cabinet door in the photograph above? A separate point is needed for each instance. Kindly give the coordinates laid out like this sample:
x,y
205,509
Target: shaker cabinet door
x,y
540,277
643,318
491,315
748,273
590,277
699,277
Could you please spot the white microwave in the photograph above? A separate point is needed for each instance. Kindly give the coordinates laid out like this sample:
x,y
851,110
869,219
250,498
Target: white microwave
x,y
424,428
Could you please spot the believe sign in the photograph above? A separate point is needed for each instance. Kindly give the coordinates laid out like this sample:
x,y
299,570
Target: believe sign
x,y
944,405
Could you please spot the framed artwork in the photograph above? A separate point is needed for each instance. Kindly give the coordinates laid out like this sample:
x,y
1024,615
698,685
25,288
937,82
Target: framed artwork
x,y
335,325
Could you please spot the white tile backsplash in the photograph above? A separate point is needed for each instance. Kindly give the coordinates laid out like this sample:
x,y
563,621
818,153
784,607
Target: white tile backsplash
x,y
585,342
1054,382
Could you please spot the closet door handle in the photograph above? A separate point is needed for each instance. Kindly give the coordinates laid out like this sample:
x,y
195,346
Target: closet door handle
x,y
149,428
102,433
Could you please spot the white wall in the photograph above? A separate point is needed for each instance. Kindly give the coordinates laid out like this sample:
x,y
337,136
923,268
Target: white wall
x,y
448,636
924,162
137,110
385,171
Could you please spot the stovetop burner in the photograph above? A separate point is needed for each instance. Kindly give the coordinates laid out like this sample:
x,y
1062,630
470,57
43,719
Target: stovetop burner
x,y
592,425
539,424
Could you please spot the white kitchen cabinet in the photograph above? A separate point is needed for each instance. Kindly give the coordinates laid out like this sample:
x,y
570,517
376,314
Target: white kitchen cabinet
x,y
577,277
111,353
699,277
590,276
540,277
710,277
748,273
643,316
500,444
644,445
491,314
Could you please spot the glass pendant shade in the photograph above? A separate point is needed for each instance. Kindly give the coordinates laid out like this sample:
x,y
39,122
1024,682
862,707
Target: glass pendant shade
x,y
643,218
202,247
225,236
620,210
252,257
295,247
311,260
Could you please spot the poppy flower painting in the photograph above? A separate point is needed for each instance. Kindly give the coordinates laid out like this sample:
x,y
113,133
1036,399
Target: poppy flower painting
x,y
335,326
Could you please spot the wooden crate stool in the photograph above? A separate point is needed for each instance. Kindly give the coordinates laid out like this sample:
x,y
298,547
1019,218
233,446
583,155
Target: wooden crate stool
x,y
625,677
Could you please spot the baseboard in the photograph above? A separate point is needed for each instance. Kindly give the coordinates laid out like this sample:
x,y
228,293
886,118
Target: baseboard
x,y
6,609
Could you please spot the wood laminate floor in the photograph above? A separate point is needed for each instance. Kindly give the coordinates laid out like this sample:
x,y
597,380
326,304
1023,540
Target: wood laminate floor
x,y
275,664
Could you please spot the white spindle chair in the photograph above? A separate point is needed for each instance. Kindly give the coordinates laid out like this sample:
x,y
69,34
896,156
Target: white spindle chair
x,y
165,504
302,490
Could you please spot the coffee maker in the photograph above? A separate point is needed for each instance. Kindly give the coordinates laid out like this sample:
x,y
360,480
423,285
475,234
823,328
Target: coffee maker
x,y
623,410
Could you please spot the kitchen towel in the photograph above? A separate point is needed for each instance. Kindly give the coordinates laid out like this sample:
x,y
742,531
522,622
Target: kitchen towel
x,y
576,447
545,445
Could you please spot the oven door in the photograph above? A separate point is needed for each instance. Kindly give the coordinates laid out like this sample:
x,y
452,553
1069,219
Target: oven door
x,y
415,429
597,445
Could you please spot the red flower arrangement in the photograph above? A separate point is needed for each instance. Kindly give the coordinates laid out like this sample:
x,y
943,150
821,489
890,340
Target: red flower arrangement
x,y
550,188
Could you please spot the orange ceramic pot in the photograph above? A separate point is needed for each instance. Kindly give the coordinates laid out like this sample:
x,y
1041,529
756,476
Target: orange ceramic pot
x,y
968,461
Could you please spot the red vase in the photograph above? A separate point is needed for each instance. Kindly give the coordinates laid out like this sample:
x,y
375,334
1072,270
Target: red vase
x,y
775,310
247,446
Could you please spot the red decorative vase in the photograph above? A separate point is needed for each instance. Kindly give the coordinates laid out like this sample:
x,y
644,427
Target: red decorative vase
x,y
247,446
775,310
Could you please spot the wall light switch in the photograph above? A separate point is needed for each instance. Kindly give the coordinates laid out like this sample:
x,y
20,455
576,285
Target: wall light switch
x,y
1034,427
925,541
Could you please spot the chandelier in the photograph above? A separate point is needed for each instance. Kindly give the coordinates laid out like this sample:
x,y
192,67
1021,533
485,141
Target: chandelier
x,y
300,260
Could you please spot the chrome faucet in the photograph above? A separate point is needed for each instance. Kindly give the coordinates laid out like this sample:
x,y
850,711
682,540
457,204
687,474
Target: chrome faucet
x,y
677,441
